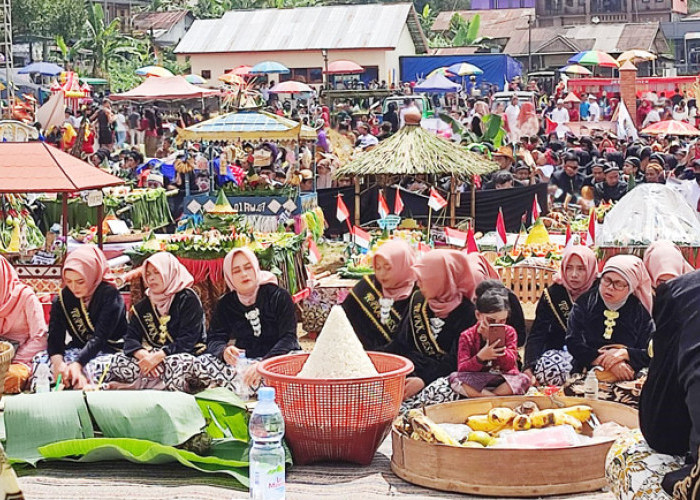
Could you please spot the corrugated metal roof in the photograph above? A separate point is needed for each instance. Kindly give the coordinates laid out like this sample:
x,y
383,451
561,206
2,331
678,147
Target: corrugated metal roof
x,y
158,20
309,28
495,23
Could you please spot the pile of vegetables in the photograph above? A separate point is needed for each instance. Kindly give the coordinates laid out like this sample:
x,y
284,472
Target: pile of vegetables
x,y
314,222
18,231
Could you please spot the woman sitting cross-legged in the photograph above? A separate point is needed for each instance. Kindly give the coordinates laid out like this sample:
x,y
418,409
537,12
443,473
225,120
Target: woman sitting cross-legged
x,y
165,329
610,327
89,309
256,316
546,359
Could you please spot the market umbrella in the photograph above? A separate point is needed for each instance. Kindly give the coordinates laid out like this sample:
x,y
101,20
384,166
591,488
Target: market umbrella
x,y
671,127
195,79
269,67
571,97
636,55
344,67
291,87
437,83
43,68
594,58
232,79
575,69
440,71
153,71
464,69
242,70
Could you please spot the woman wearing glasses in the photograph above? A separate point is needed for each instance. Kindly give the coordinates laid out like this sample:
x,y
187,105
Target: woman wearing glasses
x,y
610,326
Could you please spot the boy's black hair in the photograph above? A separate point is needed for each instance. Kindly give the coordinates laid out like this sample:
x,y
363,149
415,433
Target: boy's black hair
x,y
492,301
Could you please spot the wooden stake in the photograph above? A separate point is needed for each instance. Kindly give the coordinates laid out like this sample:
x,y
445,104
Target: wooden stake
x,y
453,201
357,200
473,202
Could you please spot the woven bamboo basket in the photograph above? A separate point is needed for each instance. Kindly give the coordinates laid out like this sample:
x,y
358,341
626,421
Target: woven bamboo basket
x,y
6,353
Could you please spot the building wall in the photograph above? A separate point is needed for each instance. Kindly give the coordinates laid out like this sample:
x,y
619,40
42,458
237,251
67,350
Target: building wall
x,y
405,47
175,34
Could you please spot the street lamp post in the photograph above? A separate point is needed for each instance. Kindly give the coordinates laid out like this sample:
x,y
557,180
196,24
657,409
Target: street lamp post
x,y
326,82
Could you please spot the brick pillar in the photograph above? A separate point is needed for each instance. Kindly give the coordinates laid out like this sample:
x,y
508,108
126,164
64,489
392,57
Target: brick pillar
x,y
628,88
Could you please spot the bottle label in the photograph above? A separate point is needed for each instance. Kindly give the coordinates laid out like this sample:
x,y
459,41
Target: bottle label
x,y
266,482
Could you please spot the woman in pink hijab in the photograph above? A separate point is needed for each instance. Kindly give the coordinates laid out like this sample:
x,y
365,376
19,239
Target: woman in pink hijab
x,y
378,303
89,309
254,320
21,323
664,261
166,328
545,356
437,314
610,325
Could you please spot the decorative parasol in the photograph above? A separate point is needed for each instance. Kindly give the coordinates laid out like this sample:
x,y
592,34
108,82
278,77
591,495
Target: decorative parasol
x,y
594,58
344,67
575,69
440,71
464,69
636,55
195,79
153,71
291,87
671,127
269,67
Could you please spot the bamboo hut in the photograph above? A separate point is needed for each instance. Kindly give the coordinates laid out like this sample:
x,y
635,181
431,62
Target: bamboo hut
x,y
414,150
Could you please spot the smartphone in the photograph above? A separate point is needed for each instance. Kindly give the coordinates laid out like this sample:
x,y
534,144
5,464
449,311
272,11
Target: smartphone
x,y
497,332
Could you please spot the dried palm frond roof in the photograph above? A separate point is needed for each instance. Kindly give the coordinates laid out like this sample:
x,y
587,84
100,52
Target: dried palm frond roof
x,y
414,150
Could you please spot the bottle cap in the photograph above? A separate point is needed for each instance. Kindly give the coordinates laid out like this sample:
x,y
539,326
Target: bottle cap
x,y
266,394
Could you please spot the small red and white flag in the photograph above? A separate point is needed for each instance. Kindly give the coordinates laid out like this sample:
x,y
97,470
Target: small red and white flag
x,y
569,237
423,248
314,254
362,238
398,202
342,213
477,181
382,206
590,236
536,209
455,237
435,201
501,237
471,240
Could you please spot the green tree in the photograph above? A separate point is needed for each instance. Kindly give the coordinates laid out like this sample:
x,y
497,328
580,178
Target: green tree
x,y
104,41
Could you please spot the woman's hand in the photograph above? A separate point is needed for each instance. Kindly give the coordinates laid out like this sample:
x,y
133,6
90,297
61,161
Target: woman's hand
x,y
74,376
533,379
59,367
150,364
252,377
491,351
231,355
622,371
611,357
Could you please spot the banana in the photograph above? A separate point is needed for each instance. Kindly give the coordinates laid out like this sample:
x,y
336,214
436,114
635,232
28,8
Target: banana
x,y
501,416
428,430
522,423
582,413
564,419
481,423
542,418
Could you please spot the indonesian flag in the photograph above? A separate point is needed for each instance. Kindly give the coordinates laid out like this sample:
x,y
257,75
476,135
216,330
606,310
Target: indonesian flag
x,y
314,254
382,206
361,237
501,237
455,237
423,248
590,236
436,202
342,212
536,210
569,238
398,202
471,241
550,126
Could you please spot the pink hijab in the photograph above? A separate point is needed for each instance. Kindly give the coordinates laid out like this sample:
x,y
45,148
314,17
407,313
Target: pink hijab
x,y
90,263
632,269
664,257
402,259
449,273
175,276
481,269
13,295
590,263
262,277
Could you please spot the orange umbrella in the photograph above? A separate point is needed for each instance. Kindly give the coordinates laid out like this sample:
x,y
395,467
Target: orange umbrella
x,y
240,70
232,79
671,127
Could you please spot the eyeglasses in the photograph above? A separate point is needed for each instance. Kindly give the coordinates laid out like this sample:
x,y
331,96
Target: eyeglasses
x,y
616,284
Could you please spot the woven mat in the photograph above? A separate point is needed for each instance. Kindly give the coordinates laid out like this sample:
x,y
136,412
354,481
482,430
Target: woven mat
x,y
121,480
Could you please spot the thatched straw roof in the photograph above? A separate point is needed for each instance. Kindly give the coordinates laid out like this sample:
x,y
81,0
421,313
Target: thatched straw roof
x,y
414,150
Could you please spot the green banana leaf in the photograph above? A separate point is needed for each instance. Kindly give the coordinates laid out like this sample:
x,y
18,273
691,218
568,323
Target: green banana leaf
x,y
169,418
224,412
34,420
226,458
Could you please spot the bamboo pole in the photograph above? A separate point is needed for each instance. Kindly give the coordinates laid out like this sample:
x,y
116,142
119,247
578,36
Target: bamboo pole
x,y
453,201
100,220
64,213
473,202
357,200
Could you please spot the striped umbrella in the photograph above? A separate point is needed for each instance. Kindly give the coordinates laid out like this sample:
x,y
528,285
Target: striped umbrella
x,y
464,69
575,69
195,79
269,67
440,71
671,127
594,58
153,71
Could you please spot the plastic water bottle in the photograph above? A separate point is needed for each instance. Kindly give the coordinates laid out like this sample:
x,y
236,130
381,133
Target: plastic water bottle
x,y
242,389
590,385
267,454
42,378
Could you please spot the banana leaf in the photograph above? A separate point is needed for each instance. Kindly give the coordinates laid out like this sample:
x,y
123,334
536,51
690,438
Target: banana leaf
x,y
225,414
226,457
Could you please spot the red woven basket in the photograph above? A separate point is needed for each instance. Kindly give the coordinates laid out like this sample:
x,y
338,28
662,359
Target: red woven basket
x,y
336,419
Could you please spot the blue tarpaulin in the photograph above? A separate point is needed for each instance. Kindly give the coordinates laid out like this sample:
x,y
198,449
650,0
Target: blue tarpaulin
x,y
497,67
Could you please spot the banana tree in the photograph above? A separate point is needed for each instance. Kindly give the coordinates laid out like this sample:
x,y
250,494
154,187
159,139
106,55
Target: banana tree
x,y
490,130
104,41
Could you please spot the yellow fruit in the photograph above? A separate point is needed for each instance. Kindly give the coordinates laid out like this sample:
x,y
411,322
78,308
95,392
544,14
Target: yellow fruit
x,y
472,444
582,413
481,423
542,418
14,240
480,437
565,419
521,423
501,416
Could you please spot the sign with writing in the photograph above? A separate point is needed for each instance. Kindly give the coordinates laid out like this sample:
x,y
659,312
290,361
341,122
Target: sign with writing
x,y
94,198
43,259
249,205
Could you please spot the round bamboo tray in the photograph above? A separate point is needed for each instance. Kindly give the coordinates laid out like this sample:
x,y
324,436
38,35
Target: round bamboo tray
x,y
507,472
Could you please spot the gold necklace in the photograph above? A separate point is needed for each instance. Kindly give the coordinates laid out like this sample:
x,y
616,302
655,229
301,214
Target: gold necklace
x,y
163,329
610,317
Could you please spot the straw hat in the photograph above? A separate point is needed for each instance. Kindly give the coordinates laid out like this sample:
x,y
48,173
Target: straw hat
x,y
506,151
